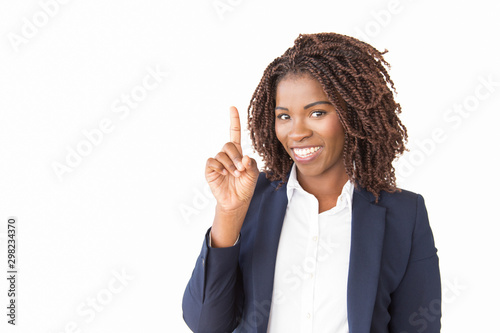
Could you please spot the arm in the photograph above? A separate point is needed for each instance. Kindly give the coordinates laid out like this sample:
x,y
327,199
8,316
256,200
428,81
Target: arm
x,y
213,298
416,303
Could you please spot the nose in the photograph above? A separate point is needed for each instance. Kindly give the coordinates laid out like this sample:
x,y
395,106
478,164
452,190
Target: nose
x,y
299,131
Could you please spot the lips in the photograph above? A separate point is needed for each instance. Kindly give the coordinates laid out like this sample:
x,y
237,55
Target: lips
x,y
306,154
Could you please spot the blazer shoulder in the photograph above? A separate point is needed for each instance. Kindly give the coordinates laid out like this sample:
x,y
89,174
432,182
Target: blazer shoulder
x,y
403,209
401,198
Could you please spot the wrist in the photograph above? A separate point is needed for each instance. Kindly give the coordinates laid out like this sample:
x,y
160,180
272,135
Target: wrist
x,y
231,212
227,226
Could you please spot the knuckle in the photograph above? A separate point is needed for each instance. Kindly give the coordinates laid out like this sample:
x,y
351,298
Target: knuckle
x,y
227,146
211,164
232,150
220,155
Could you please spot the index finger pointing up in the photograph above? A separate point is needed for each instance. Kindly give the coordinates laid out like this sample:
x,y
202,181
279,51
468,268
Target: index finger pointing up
x,y
235,129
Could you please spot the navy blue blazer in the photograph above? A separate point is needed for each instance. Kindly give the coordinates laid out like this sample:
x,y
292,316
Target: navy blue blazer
x,y
393,280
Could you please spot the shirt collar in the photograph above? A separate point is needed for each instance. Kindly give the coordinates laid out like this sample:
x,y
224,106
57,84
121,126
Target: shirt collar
x,y
345,197
292,183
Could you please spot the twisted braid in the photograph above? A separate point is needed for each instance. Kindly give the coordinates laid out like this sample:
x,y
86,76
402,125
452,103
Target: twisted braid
x,y
351,72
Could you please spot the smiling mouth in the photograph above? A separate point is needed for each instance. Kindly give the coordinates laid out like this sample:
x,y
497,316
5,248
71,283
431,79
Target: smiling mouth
x,y
306,153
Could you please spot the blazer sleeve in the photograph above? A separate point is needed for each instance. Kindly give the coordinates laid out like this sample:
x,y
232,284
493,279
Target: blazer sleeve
x,y
416,303
213,298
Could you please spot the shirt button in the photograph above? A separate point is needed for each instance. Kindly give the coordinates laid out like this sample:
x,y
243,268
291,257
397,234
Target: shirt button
x,y
315,238
311,275
308,315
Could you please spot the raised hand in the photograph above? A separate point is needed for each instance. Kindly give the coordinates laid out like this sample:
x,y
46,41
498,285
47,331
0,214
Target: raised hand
x,y
232,179
231,176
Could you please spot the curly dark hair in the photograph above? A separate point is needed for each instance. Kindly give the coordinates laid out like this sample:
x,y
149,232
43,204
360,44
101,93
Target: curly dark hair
x,y
354,76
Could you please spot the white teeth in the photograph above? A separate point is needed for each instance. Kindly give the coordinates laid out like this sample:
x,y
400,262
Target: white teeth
x,y
305,152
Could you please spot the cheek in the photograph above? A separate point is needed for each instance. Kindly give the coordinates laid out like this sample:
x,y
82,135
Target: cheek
x,y
339,130
280,134
334,132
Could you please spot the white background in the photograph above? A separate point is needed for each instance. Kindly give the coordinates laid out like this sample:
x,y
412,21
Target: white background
x,y
137,203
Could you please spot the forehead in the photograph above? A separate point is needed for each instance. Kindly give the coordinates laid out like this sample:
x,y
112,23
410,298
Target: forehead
x,y
299,87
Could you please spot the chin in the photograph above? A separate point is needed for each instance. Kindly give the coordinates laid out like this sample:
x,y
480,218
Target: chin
x,y
310,170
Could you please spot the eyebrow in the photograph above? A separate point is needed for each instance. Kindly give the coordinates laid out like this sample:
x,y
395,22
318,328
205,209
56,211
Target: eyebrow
x,y
305,107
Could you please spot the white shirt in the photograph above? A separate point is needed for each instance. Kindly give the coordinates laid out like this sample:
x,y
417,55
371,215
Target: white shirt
x,y
312,264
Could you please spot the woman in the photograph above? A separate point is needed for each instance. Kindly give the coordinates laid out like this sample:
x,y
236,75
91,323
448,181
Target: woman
x,y
322,240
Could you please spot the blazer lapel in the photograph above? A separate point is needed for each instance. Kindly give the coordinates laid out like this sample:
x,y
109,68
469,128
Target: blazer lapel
x,y
271,216
367,235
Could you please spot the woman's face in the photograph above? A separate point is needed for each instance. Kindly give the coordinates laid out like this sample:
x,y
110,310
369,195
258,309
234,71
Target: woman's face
x,y
308,127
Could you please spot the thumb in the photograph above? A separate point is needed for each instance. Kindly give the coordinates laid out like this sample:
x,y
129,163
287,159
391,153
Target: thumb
x,y
251,166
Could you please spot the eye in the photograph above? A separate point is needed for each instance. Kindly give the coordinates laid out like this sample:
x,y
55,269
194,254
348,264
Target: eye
x,y
317,114
283,116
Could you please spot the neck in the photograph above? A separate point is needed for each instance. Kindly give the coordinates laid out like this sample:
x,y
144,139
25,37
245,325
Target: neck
x,y
324,186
